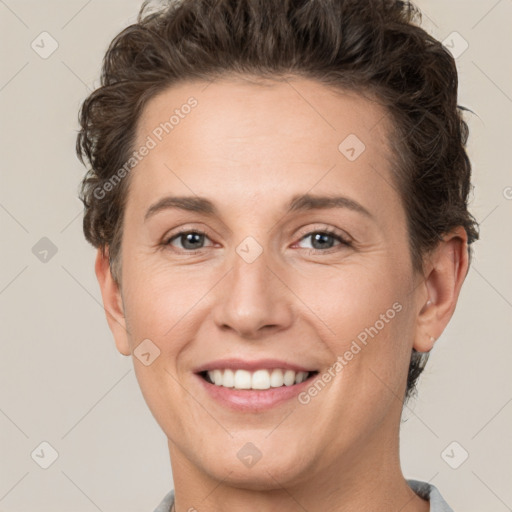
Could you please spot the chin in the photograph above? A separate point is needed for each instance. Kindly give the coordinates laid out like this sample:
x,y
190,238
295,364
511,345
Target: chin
x,y
268,473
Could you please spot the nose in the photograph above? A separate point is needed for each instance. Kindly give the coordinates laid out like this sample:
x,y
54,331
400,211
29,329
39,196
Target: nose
x,y
253,300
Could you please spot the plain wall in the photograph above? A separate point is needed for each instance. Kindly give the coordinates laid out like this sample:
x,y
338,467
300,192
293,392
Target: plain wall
x,y
64,382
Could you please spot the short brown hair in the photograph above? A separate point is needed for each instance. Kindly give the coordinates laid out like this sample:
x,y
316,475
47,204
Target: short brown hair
x,y
370,46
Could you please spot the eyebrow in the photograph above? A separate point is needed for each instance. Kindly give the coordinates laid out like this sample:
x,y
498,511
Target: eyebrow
x,y
298,203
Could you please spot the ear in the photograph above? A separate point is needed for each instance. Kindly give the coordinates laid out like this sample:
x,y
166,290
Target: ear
x,y
112,302
446,270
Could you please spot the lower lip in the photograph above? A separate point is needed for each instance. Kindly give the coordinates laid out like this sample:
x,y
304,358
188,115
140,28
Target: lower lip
x,y
253,399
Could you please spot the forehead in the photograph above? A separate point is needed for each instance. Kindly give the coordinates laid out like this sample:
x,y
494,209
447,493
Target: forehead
x,y
233,137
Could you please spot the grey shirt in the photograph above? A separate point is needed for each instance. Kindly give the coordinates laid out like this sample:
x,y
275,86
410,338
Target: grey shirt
x,y
422,489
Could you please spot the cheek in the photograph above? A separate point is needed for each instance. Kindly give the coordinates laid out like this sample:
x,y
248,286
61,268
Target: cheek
x,y
158,298
363,316
376,355
353,298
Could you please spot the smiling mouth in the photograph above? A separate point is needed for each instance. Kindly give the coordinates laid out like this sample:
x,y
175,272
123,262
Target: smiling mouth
x,y
258,380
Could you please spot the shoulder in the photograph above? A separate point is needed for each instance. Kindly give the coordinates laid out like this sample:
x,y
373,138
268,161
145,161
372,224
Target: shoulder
x,y
430,492
166,504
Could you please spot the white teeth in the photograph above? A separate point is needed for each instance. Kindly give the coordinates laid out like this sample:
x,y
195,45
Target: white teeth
x,y
289,378
228,379
276,379
217,377
260,379
242,379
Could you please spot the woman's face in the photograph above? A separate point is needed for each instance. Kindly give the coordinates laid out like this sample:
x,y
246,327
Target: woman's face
x,y
266,288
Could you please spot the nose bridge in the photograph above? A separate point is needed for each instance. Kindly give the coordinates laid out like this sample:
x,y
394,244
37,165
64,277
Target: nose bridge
x,y
253,298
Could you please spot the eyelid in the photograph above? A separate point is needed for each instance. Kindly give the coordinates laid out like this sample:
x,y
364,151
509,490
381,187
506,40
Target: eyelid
x,y
304,232
166,240
186,228
318,228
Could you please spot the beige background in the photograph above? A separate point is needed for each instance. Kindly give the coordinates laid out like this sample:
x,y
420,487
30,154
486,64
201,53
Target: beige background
x,y
63,381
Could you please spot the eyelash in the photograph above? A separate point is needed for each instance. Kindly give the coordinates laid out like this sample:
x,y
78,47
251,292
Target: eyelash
x,y
325,231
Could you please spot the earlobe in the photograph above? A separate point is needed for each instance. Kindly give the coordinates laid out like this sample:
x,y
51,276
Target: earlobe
x,y
112,302
447,270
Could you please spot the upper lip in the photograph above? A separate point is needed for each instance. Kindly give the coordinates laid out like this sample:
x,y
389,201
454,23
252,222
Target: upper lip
x,y
257,364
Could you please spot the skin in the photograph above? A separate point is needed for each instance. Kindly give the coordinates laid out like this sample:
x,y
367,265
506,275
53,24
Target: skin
x,y
249,148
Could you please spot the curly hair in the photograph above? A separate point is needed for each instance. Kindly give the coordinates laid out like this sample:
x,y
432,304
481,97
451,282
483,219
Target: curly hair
x,y
367,46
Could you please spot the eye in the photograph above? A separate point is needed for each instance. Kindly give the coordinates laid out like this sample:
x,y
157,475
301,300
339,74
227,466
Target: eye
x,y
321,240
190,240
324,240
